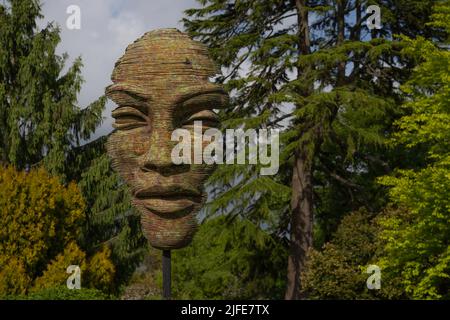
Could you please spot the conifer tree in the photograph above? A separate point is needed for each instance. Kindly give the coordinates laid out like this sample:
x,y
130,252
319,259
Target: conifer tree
x,y
313,69
40,121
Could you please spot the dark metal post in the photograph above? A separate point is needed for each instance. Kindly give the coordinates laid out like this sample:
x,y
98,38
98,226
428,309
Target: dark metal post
x,y
166,269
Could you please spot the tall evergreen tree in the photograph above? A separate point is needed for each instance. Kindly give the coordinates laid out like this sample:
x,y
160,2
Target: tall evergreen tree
x,y
316,66
40,119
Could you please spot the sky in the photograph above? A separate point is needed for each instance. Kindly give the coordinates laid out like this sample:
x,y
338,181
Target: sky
x,y
107,27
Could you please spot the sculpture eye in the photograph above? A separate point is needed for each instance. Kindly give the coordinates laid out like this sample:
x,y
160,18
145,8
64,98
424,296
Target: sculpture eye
x,y
208,118
128,118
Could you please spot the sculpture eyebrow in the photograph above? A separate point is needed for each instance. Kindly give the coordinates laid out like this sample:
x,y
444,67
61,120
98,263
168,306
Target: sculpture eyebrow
x,y
127,89
186,97
132,95
138,101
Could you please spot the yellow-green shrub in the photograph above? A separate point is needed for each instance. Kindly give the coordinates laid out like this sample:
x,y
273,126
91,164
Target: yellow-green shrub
x,y
14,279
39,216
101,270
41,220
96,272
55,274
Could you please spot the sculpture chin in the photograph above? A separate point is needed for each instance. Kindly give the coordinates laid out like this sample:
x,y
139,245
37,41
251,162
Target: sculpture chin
x,y
168,224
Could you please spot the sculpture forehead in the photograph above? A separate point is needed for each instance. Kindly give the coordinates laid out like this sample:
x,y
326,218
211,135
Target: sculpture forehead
x,y
164,61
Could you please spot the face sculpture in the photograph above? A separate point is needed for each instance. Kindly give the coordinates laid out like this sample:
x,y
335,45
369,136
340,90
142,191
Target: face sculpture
x,y
161,84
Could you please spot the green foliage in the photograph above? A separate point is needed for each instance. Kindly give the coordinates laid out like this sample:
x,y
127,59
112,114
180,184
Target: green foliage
x,y
417,242
330,85
40,119
14,279
146,281
230,260
409,243
338,101
341,119
338,270
62,293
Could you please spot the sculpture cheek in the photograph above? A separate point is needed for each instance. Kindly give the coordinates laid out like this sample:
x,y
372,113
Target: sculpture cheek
x,y
139,142
120,148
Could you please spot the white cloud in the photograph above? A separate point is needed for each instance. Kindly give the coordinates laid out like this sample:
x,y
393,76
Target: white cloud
x,y
125,27
107,27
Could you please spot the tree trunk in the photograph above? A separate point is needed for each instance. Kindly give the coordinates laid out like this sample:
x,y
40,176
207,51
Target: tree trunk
x,y
340,17
301,222
302,186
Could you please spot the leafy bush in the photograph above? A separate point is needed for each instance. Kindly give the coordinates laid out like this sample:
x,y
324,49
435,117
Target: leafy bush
x,y
338,271
41,221
96,272
63,293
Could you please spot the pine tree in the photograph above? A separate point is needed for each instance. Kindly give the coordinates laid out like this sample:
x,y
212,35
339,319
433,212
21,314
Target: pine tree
x,y
316,66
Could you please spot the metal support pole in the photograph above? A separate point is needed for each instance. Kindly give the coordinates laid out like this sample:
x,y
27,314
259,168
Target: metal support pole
x,y
166,269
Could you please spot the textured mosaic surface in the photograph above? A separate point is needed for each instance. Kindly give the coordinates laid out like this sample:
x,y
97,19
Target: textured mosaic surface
x,y
161,84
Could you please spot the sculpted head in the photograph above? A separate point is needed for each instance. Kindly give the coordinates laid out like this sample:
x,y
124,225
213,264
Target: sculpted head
x,y
161,84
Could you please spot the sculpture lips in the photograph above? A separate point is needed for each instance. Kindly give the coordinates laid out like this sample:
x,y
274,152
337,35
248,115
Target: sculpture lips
x,y
164,192
168,199
160,206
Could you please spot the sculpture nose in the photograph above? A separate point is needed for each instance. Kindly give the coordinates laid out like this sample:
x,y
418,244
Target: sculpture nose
x,y
158,157
156,162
